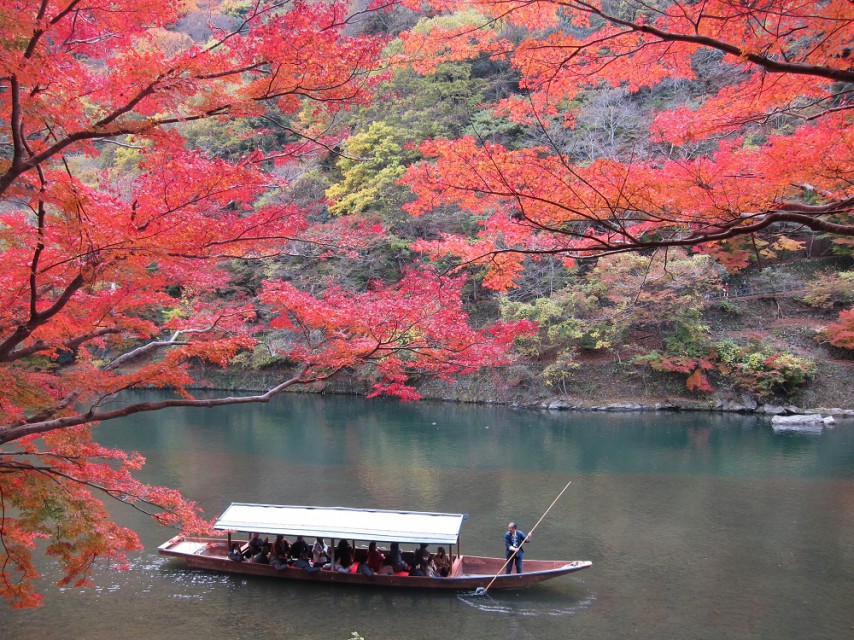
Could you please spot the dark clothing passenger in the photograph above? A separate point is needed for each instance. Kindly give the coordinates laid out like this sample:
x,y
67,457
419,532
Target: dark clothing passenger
x,y
298,547
395,558
256,546
305,564
344,554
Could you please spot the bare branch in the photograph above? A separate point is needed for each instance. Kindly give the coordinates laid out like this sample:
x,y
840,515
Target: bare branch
x,y
10,433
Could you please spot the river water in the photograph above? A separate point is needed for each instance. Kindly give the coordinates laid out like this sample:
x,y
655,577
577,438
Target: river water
x,y
699,526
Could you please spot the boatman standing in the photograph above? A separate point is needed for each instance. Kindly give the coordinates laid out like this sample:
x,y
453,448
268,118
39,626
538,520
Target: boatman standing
x,y
513,540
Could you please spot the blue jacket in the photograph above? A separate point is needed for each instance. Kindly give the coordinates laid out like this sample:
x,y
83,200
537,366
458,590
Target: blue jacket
x,y
508,542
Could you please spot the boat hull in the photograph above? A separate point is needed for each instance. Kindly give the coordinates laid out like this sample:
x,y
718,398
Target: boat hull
x,y
469,572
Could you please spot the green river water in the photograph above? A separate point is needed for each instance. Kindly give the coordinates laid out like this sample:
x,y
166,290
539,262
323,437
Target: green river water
x,y
698,525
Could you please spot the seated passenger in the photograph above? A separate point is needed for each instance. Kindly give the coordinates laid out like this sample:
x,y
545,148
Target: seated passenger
x,y
256,545
374,561
263,556
343,557
394,559
442,562
430,569
235,554
419,568
298,547
421,554
304,563
281,552
319,552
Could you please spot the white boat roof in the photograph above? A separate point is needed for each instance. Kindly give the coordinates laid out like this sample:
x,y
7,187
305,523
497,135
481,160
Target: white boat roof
x,y
343,523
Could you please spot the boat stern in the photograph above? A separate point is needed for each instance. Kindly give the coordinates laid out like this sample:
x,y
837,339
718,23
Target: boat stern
x,y
181,546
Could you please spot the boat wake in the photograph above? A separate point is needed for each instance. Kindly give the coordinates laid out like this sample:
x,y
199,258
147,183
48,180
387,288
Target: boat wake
x,y
526,604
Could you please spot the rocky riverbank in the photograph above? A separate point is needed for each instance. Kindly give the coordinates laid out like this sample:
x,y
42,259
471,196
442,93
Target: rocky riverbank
x,y
599,387
606,380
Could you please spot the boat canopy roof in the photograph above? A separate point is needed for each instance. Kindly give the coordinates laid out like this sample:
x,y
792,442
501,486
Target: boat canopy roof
x,y
343,523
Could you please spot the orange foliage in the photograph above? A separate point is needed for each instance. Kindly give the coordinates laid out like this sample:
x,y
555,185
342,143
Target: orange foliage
x,y
784,60
841,332
50,487
117,279
426,51
389,331
111,282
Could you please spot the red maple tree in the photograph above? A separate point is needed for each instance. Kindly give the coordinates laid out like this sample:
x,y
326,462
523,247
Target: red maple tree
x,y
114,280
765,146
117,279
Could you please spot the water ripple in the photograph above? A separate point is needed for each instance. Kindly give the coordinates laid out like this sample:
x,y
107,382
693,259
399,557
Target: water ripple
x,y
539,606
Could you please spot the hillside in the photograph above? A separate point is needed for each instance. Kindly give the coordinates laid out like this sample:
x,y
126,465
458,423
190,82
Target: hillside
x,y
608,378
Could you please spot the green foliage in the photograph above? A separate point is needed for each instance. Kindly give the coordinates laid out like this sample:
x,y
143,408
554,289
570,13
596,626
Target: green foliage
x,y
260,357
571,318
561,372
842,245
438,105
762,369
688,335
370,166
236,8
829,289
664,292
223,139
729,307
598,309
127,158
466,18
776,279
486,125
543,311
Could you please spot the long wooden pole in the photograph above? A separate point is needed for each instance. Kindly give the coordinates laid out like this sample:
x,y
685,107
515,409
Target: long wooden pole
x,y
481,590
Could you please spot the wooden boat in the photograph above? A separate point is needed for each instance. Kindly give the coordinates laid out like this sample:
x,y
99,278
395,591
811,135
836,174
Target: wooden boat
x,y
337,523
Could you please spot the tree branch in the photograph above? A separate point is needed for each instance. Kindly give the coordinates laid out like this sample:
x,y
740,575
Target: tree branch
x,y
769,64
71,343
10,433
23,331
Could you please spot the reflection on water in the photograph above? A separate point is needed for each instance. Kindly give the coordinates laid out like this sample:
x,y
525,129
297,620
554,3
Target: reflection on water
x,y
698,526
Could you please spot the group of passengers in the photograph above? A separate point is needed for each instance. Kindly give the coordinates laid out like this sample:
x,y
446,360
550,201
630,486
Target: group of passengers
x,y
281,554
393,562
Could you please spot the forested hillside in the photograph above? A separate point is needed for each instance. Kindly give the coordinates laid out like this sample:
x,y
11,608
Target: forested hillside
x,y
493,200
704,314
766,328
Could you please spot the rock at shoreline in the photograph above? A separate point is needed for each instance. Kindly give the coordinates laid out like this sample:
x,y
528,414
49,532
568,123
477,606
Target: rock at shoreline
x,y
626,406
773,410
804,418
809,422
